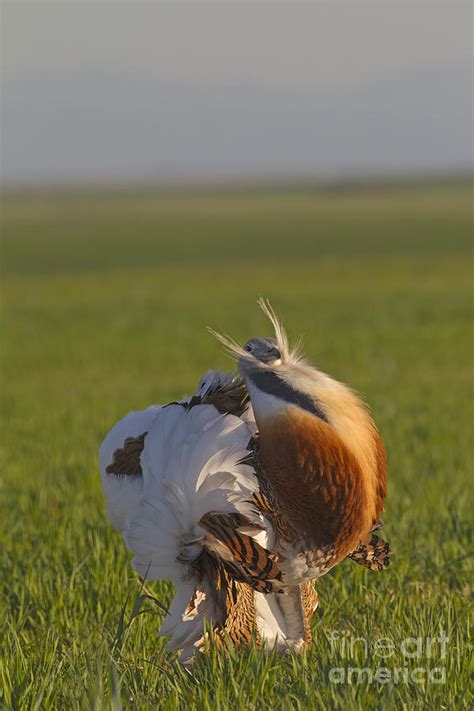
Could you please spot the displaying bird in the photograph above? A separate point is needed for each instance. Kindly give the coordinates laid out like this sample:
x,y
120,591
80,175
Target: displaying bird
x,y
247,492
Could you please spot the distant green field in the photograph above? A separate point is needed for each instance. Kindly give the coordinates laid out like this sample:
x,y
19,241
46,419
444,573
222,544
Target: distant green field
x,y
105,301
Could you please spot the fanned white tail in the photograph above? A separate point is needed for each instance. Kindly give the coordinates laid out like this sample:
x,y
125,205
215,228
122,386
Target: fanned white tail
x,y
190,466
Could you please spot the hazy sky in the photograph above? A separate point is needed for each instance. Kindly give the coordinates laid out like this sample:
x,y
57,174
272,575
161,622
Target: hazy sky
x,y
110,90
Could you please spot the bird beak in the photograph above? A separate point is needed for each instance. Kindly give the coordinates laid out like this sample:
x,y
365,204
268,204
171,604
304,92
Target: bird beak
x,y
273,356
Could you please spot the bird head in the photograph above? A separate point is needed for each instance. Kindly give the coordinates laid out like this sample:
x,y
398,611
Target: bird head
x,y
262,354
264,350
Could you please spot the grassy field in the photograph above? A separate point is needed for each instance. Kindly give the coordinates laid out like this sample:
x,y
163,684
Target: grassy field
x,y
105,300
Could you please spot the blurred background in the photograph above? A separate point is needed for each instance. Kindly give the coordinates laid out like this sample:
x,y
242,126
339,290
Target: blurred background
x,y
176,159
129,92
163,164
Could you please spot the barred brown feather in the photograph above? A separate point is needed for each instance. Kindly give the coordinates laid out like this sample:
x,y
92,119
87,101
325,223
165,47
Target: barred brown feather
x,y
248,561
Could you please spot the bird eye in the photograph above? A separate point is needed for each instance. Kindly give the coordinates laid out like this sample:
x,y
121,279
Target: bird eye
x,y
248,348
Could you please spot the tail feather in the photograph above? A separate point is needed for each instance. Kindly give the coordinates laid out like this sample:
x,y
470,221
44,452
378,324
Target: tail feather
x,y
120,464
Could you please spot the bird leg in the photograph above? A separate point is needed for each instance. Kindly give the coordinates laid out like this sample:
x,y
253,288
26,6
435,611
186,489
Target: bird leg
x,y
290,603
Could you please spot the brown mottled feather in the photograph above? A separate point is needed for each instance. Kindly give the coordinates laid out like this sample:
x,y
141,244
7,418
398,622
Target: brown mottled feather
x,y
231,399
373,553
309,601
236,602
126,461
239,625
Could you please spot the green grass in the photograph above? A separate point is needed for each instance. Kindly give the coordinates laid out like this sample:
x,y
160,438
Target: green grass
x,y
105,301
